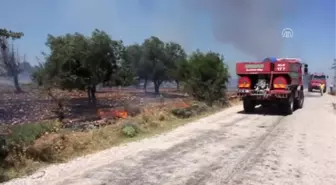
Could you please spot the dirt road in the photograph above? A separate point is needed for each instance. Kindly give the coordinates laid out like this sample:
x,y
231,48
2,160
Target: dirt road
x,y
225,148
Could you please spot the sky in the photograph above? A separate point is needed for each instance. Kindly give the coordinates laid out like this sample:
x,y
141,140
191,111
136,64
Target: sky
x,y
241,30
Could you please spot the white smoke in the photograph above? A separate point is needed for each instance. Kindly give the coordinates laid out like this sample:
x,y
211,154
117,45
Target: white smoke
x,y
252,26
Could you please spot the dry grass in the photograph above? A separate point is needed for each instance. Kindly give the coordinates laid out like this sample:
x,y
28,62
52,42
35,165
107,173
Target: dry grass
x,y
60,145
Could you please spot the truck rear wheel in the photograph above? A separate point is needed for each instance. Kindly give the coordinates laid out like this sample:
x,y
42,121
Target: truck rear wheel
x,y
288,106
298,102
249,105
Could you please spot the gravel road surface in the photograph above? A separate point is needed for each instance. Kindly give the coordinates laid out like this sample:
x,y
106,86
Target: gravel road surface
x,y
226,148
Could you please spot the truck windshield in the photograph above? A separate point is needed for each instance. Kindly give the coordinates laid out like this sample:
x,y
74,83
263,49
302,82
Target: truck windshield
x,y
319,77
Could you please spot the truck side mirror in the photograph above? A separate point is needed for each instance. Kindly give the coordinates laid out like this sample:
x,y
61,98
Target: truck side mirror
x,y
306,69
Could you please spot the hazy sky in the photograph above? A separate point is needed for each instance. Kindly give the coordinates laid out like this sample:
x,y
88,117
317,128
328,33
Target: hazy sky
x,y
238,29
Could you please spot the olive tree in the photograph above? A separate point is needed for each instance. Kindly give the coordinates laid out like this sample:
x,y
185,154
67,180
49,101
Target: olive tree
x,y
206,76
76,61
10,61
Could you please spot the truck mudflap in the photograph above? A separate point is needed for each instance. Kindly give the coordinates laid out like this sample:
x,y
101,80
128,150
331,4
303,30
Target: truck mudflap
x,y
264,94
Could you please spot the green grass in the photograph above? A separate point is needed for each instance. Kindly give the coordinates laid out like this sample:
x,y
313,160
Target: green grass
x,y
28,133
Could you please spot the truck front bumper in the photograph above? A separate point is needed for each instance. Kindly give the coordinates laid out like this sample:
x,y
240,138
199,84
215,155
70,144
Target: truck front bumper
x,y
315,87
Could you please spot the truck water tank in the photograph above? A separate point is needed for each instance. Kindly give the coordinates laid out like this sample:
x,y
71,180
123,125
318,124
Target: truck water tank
x,y
270,59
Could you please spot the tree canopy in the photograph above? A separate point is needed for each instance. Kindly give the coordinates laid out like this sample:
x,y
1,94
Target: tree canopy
x,y
206,76
79,62
76,61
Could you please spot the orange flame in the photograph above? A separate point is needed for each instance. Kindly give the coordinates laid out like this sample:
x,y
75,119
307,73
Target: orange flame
x,y
120,114
181,105
113,114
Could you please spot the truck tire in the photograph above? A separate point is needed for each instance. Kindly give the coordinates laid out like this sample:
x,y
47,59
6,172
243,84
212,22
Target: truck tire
x,y
249,105
310,90
288,106
298,102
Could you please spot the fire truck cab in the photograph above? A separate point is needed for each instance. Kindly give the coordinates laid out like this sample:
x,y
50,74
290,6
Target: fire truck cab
x,y
315,80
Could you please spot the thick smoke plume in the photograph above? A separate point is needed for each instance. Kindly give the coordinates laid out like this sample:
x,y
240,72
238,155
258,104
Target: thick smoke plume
x,y
252,26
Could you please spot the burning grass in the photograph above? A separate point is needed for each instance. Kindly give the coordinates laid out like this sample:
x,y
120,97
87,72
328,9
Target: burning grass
x,y
26,147
36,104
33,145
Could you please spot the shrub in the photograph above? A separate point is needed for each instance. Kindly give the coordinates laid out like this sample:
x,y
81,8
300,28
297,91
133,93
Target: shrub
x,y
132,110
21,136
48,148
182,113
198,108
3,148
27,133
193,110
162,116
206,76
130,129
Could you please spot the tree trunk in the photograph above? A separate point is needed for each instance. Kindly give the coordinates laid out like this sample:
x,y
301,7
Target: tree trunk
x,y
177,85
16,83
93,94
145,85
59,110
89,94
157,86
91,91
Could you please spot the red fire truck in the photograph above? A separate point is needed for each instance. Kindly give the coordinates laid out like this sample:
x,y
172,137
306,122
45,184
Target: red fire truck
x,y
315,80
276,81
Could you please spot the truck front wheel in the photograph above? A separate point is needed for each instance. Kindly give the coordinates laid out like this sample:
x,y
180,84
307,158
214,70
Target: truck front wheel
x,y
249,105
